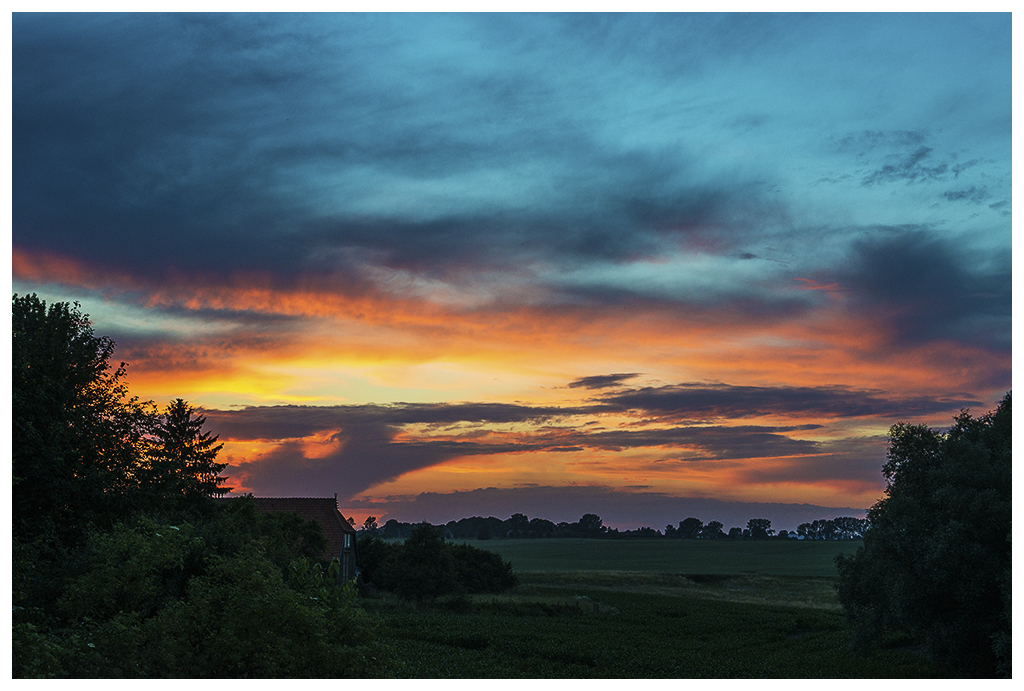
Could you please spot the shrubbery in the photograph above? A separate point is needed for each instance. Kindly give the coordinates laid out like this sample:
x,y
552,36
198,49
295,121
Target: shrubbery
x,y
158,600
425,566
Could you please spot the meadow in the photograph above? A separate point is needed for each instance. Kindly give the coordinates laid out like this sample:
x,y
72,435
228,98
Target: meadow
x,y
721,557
645,609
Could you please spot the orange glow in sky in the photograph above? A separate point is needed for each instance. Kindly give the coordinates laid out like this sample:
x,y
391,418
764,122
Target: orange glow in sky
x,y
528,262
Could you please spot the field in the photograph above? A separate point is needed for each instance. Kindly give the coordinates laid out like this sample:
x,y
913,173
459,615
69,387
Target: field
x,y
722,557
645,609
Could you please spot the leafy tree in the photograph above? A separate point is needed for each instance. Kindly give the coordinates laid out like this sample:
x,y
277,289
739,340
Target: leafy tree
x,y
690,527
423,569
735,533
76,434
591,525
936,558
426,566
760,528
518,525
376,558
850,528
370,524
480,571
541,527
231,525
712,530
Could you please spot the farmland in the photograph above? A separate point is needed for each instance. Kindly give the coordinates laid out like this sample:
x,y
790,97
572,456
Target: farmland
x,y
722,557
645,609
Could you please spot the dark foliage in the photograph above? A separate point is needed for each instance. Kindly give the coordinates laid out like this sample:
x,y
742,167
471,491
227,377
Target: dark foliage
x,y
480,571
936,559
839,528
425,566
122,563
182,462
76,434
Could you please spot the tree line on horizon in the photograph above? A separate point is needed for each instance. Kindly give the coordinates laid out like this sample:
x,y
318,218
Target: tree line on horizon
x,y
519,526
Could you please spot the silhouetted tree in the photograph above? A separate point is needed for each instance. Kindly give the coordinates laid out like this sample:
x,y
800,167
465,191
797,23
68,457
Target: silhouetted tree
x,y
936,558
423,568
591,525
541,527
183,458
760,528
518,525
76,434
690,527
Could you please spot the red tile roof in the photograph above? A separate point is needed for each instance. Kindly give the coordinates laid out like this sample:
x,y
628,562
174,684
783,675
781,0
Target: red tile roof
x,y
323,511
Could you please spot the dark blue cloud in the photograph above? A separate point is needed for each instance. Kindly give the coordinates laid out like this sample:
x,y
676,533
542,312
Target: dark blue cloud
x,y
923,287
436,144
697,401
602,381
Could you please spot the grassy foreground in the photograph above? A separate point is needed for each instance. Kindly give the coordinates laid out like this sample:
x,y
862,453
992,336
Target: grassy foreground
x,y
739,612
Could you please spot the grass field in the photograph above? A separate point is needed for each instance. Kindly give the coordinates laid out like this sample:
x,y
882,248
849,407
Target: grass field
x,y
723,557
645,609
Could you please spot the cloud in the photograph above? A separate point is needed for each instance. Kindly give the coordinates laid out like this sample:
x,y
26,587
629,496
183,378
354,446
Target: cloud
x,y
910,167
853,462
378,443
971,195
601,381
713,401
921,287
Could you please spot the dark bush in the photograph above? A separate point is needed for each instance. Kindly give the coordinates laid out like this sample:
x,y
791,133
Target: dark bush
x,y
426,566
480,571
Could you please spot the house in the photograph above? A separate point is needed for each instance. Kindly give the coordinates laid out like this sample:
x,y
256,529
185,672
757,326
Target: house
x,y
341,536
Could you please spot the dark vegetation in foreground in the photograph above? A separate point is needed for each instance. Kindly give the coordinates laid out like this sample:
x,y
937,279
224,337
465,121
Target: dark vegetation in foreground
x,y
122,563
937,560
124,566
553,626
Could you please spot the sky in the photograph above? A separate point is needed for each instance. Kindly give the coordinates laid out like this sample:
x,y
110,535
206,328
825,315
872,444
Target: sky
x,y
449,265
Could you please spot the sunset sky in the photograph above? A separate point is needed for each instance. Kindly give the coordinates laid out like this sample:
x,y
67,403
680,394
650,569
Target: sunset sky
x,y
644,266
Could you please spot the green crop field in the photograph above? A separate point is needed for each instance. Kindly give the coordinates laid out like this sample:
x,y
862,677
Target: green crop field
x,y
724,557
645,609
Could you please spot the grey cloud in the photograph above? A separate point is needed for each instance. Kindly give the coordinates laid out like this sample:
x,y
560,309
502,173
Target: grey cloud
x,y
856,460
601,381
205,144
292,421
703,401
910,167
924,287
972,195
711,443
370,454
